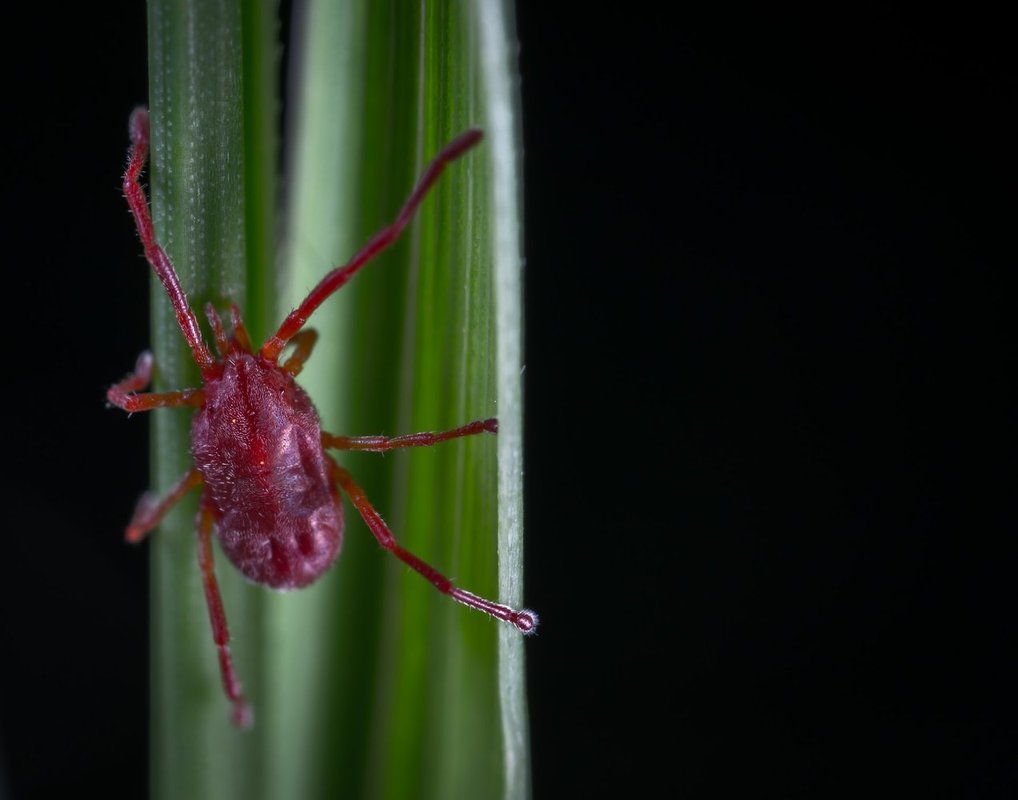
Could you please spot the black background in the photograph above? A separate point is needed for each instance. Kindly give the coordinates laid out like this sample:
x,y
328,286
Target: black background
x,y
770,422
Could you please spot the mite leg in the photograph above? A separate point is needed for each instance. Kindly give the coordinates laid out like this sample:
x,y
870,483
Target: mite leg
x,y
524,620
155,254
123,394
239,331
151,509
303,344
381,240
379,444
222,343
242,716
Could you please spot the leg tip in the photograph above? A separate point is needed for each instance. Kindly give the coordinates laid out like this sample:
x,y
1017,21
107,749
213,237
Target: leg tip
x,y
138,126
242,715
525,622
141,522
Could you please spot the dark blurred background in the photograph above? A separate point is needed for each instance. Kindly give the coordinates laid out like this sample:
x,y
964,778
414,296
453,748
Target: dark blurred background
x,y
769,294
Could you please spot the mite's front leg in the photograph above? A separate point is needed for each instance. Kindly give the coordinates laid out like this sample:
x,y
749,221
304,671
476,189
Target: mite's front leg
x,y
123,394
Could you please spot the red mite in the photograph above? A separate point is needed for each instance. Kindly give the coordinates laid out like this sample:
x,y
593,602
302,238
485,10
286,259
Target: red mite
x,y
269,490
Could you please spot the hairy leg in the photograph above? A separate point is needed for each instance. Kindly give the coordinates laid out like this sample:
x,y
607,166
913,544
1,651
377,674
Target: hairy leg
x,y
380,444
157,258
123,394
379,242
524,620
151,509
242,715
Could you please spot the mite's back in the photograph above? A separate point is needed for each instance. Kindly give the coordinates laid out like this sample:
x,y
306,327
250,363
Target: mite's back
x,y
257,444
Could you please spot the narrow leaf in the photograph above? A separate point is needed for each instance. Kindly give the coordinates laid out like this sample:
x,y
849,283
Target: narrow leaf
x,y
211,202
426,699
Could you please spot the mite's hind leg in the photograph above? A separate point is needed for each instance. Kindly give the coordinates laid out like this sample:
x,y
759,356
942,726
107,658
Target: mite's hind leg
x,y
524,620
241,716
151,509
379,444
123,394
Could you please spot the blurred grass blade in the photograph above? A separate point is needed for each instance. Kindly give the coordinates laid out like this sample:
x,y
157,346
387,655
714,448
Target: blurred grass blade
x,y
212,68
426,699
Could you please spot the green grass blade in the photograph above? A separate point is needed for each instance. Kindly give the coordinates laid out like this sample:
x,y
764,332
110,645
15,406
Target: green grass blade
x,y
421,698
496,27
212,199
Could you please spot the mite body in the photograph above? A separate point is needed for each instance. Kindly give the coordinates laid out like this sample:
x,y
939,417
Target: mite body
x,y
257,443
269,490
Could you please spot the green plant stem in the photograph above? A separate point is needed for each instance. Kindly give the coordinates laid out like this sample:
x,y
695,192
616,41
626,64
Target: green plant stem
x,y
207,196
498,69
